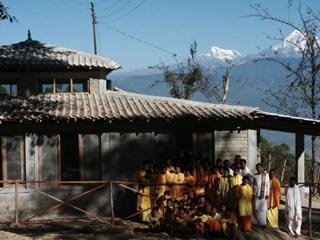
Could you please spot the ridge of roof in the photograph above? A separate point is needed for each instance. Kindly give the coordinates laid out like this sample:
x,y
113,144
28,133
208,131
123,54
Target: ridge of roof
x,y
35,52
182,101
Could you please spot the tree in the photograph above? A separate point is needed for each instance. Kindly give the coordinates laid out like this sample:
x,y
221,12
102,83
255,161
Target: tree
x,y
4,15
277,157
301,93
187,78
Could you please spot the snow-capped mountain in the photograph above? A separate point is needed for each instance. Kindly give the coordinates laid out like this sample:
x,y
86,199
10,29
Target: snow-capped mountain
x,y
219,56
291,46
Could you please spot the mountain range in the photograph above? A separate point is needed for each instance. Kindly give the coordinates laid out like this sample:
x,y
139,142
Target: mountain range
x,y
249,78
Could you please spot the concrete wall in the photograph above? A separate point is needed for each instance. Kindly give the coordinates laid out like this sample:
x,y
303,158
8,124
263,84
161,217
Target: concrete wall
x,y
231,143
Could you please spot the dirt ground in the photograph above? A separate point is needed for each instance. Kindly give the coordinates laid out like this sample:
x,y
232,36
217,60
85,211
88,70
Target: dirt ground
x,y
86,229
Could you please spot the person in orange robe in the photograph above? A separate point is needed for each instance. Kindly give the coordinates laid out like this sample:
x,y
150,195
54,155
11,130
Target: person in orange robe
x,y
273,201
199,175
213,186
188,183
213,223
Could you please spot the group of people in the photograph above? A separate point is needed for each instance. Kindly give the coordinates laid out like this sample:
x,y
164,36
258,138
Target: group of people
x,y
214,200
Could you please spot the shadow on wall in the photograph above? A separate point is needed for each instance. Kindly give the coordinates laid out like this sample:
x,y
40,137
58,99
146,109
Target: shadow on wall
x,y
124,158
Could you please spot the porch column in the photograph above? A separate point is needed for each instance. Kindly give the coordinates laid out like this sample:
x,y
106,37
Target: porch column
x,y
300,155
253,153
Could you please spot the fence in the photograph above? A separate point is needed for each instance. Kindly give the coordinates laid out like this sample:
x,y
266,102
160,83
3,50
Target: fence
x,y
96,185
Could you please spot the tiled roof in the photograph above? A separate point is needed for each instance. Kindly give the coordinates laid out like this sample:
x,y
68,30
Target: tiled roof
x,y
112,106
31,53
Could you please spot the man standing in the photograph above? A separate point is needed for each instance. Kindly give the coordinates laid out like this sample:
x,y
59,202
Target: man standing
x,y
273,201
293,208
261,187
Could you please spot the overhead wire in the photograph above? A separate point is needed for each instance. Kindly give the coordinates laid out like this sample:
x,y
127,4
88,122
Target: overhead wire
x,y
143,41
82,6
117,10
111,6
127,13
100,2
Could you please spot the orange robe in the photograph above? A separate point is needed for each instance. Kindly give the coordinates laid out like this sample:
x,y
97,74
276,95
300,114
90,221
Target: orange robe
x,y
199,174
214,225
213,186
273,203
189,183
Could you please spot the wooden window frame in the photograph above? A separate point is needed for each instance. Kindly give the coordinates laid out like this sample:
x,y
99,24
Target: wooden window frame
x,y
80,158
10,83
23,171
71,82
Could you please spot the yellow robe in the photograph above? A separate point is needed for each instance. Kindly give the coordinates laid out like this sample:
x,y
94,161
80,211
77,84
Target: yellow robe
x,y
224,187
145,203
245,200
177,190
235,182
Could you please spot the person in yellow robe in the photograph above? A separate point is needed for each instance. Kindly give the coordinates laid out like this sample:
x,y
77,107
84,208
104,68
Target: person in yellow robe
x,y
224,187
199,221
182,222
163,181
177,179
235,182
229,224
273,202
245,194
143,200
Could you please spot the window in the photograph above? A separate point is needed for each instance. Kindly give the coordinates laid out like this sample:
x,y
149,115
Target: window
x,y
8,88
70,161
63,85
47,88
79,86
13,158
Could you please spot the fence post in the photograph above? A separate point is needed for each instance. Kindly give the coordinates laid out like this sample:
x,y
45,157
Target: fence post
x,y
111,203
16,219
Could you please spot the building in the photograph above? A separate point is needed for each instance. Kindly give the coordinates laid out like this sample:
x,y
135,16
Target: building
x,y
62,129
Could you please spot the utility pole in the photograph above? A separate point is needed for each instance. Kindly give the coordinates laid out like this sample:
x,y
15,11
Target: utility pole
x,y
94,21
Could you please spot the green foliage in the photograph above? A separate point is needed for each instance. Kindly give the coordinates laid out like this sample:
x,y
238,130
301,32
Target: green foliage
x,y
187,78
274,156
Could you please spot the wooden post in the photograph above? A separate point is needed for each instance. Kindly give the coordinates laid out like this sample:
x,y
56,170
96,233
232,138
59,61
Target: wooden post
x,y
300,157
16,219
111,204
269,160
283,170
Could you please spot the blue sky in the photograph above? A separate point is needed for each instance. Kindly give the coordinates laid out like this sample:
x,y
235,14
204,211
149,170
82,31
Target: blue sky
x,y
171,25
